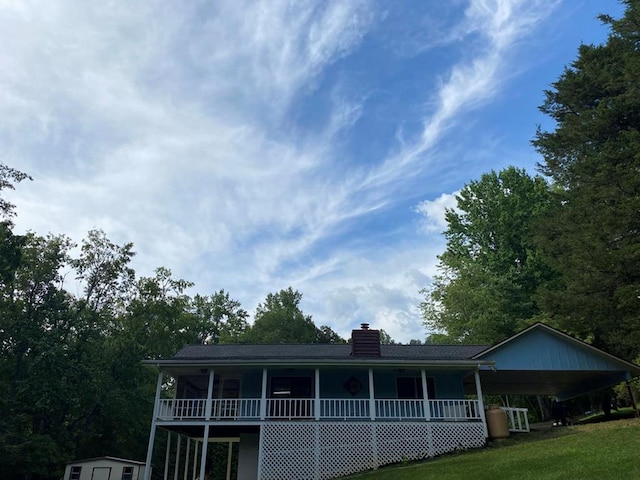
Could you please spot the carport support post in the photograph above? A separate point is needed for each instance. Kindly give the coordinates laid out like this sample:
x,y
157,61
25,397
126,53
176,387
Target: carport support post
x,y
634,405
481,402
152,433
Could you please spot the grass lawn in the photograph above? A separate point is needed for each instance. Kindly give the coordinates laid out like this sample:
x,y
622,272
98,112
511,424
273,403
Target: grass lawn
x,y
601,451
623,412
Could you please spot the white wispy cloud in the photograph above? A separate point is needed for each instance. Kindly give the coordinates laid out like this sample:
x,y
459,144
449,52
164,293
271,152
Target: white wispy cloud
x,y
173,125
490,29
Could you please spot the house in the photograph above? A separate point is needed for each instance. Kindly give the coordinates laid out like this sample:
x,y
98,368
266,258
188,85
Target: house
x,y
323,411
104,468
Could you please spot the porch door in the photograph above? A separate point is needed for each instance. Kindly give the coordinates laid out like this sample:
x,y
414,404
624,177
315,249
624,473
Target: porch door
x,y
292,397
228,394
411,388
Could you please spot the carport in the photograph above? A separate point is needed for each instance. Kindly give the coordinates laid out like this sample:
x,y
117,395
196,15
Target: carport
x,y
541,360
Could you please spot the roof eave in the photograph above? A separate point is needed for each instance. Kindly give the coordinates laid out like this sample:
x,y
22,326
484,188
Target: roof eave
x,y
364,362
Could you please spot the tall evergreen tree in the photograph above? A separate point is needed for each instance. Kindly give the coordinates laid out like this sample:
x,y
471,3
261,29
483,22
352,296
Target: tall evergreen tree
x,y
593,158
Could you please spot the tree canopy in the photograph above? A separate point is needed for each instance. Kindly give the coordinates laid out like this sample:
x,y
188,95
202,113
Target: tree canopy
x,y
490,270
593,159
279,319
71,380
566,252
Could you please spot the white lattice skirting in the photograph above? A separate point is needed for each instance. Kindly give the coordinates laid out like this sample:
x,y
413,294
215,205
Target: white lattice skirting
x,y
317,451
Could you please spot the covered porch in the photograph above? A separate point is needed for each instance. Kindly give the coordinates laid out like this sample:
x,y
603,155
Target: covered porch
x,y
320,394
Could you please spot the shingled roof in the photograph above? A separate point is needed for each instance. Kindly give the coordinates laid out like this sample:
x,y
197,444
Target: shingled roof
x,y
199,352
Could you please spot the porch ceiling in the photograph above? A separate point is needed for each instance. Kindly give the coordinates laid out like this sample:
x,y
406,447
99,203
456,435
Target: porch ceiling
x,y
563,384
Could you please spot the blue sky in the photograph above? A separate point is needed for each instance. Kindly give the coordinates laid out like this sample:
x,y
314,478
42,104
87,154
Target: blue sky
x,y
251,146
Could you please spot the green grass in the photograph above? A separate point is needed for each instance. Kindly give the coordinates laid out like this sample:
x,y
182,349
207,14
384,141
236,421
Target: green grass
x,y
609,450
623,412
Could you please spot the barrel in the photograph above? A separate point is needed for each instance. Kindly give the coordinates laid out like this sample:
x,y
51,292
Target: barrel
x,y
497,423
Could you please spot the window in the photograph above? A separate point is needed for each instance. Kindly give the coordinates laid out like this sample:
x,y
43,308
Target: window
x,y
291,397
411,387
291,387
75,473
127,473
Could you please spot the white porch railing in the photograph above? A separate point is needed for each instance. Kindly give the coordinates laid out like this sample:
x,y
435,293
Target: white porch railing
x,y
330,409
344,408
235,408
517,418
454,410
399,409
288,408
182,408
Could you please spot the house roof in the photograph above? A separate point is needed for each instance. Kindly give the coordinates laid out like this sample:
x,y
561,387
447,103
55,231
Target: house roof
x,y
538,360
325,351
287,355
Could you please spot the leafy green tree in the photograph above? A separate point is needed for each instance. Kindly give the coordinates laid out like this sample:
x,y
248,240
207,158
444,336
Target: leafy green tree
x,y
8,178
593,158
490,270
385,338
36,392
103,267
158,315
221,319
279,319
326,334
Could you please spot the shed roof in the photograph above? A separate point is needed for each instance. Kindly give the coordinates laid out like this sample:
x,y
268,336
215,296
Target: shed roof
x,y
111,459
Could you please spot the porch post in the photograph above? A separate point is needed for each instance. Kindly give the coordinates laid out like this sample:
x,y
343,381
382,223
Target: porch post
x,y
209,395
481,402
316,427
186,460
195,459
229,455
166,457
372,397
176,468
425,395
263,395
205,444
260,450
317,394
152,433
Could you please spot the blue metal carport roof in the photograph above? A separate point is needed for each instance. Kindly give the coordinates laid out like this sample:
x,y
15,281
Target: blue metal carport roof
x,y
541,360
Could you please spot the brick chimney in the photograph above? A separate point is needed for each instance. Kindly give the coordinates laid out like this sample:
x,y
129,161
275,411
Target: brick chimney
x,y
365,342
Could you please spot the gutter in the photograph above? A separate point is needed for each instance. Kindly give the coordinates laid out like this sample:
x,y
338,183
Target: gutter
x,y
301,362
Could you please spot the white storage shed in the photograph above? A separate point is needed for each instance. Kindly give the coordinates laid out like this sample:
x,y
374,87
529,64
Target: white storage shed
x,y
104,468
